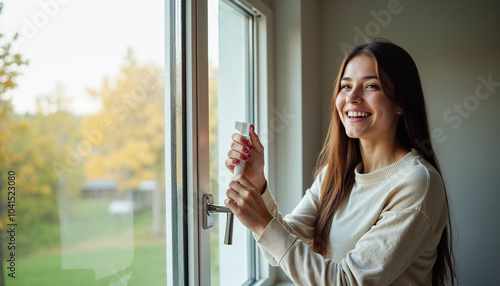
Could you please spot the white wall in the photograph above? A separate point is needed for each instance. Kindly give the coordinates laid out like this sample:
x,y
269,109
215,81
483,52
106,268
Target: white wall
x,y
297,97
297,100
287,114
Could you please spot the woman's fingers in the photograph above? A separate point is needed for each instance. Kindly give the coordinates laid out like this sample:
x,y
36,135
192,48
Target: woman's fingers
x,y
241,196
240,186
241,180
242,145
246,203
233,155
247,150
234,200
230,203
232,195
255,141
238,146
242,149
230,163
238,138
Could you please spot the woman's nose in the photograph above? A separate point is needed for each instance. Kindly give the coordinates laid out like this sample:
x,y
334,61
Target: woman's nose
x,y
354,96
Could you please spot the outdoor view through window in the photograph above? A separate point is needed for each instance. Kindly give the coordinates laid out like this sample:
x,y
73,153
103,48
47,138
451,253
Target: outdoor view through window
x,y
82,142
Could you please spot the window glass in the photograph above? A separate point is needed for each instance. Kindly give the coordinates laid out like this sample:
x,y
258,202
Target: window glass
x,y
82,128
230,98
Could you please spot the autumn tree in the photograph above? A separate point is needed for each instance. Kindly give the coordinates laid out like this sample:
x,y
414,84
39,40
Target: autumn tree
x,y
29,143
10,64
128,133
40,142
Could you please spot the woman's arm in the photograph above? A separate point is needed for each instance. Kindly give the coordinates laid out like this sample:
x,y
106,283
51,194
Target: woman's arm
x,y
379,257
255,208
301,221
250,199
403,236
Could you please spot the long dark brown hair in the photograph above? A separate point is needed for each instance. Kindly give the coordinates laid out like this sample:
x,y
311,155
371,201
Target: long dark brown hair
x,y
401,83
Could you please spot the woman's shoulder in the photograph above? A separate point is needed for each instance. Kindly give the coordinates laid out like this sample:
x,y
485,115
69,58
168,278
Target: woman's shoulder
x,y
432,186
419,187
421,174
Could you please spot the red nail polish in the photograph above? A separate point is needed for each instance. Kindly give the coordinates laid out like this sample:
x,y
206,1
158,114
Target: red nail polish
x,y
236,161
244,142
247,151
245,158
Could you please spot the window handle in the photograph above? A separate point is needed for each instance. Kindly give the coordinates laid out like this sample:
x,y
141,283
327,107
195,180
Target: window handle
x,y
209,209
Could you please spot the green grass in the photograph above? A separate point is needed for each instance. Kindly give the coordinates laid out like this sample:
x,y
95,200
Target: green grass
x,y
117,246
214,255
147,268
97,243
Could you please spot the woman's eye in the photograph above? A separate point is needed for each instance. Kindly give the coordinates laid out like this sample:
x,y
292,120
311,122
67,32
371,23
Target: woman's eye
x,y
345,86
372,86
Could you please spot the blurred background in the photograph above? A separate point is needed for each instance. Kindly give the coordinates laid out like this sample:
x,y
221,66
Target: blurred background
x,y
82,126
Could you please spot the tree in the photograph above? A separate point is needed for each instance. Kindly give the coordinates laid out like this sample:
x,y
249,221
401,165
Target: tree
x,y
36,145
128,133
10,64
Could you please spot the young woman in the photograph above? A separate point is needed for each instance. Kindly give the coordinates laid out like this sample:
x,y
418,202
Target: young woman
x,y
377,212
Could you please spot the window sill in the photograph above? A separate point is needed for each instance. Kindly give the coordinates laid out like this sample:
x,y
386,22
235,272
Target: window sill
x,y
284,284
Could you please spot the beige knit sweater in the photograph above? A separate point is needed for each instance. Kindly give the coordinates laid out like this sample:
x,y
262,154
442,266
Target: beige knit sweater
x,y
385,233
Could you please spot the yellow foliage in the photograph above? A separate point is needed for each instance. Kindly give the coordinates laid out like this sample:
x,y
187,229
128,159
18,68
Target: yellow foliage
x,y
128,132
45,190
96,167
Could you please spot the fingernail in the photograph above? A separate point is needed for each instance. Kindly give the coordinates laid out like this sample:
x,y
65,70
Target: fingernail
x,y
244,142
245,158
236,161
247,151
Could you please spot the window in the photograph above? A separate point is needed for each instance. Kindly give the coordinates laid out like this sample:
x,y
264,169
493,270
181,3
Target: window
x,y
230,36
112,152
85,141
226,80
175,149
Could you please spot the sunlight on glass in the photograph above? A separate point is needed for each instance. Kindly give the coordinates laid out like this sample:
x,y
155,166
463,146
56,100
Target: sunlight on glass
x,y
82,124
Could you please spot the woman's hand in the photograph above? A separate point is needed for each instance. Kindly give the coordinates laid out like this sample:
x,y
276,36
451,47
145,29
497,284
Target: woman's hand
x,y
252,153
246,202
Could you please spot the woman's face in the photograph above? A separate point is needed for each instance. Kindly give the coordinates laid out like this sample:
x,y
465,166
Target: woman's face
x,y
365,110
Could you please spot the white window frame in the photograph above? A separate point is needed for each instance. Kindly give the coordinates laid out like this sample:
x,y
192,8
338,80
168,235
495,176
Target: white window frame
x,y
196,92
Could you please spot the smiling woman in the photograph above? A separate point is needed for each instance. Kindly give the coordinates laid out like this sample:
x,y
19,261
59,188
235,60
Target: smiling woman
x,y
402,105
377,212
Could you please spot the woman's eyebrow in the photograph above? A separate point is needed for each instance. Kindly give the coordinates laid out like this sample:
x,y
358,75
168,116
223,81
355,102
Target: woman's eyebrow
x,y
346,78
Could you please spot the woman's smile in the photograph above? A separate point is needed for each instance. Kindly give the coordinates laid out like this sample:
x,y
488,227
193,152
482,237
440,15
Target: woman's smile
x,y
357,115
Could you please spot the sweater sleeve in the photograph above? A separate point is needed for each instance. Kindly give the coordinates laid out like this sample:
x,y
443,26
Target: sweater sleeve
x,y
300,223
380,256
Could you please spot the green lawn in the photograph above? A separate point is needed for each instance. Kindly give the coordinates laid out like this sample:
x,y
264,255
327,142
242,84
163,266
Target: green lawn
x,y
116,248
100,241
147,268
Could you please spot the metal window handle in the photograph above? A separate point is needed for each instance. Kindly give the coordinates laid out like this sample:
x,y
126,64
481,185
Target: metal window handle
x,y
209,209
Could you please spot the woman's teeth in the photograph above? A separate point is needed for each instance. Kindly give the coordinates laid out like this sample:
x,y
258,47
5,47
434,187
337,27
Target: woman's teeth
x,y
354,114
